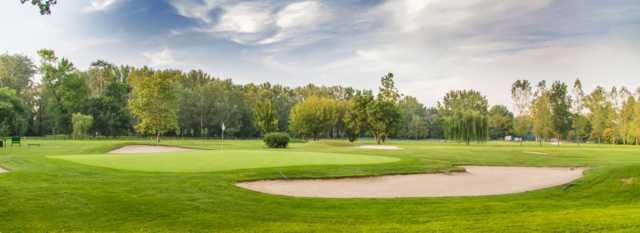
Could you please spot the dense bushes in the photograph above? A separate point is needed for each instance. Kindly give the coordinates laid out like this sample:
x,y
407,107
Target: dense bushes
x,y
277,140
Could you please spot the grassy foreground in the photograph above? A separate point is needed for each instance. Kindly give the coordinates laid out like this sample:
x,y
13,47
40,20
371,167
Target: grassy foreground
x,y
45,194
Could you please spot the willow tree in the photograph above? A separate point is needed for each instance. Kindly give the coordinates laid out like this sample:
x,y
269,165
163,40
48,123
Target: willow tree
x,y
464,116
154,101
467,126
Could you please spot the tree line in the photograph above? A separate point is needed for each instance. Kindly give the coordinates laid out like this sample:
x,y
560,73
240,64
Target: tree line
x,y
53,97
108,100
567,112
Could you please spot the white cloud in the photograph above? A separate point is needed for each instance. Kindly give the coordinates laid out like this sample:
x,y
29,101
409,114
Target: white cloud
x,y
297,19
244,18
256,22
196,9
99,5
161,58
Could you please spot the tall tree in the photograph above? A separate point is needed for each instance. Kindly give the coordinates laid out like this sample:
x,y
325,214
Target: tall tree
x,y
154,101
12,113
636,123
521,96
65,89
355,118
627,115
541,114
383,114
599,112
16,72
580,122
265,117
560,102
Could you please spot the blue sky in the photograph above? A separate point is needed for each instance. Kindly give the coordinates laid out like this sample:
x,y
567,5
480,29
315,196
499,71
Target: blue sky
x,y
431,45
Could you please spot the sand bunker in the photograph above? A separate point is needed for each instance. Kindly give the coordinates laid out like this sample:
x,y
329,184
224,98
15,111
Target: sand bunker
x,y
2,170
477,181
379,147
141,149
536,153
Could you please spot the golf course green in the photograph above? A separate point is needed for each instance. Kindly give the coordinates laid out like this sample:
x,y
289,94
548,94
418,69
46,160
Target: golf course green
x,y
76,186
219,160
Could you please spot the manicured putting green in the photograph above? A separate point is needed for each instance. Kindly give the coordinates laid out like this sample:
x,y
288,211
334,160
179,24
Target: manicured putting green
x,y
209,161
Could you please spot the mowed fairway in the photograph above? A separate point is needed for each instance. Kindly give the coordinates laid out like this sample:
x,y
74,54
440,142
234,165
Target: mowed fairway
x,y
44,193
216,160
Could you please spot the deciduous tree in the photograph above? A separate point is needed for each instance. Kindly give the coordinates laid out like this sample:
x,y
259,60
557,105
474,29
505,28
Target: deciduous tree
x,y
154,101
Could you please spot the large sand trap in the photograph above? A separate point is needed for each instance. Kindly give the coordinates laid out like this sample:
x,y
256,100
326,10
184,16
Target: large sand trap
x,y
141,149
477,181
379,147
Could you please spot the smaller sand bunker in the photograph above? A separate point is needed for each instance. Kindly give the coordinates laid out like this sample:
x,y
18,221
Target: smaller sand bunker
x,y
379,147
628,180
536,153
143,149
476,181
2,170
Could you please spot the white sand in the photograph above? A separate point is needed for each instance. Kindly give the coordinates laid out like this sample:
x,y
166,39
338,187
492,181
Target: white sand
x,y
141,149
379,147
477,181
2,170
536,153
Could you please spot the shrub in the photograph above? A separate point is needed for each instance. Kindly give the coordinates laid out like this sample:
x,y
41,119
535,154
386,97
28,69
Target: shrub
x,y
277,140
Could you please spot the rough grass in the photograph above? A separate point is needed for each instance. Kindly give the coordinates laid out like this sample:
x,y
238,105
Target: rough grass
x,y
41,194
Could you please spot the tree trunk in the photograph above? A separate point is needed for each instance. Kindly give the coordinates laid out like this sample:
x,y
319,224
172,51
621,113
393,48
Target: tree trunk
x,y
157,138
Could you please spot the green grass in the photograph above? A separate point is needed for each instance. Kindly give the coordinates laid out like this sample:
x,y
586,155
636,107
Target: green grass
x,y
45,194
210,161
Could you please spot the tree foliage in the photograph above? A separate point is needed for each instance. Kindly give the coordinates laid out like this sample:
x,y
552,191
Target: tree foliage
x,y
560,102
12,113
500,122
153,101
464,116
81,125
355,117
43,5
266,118
383,114
313,116
542,115
50,93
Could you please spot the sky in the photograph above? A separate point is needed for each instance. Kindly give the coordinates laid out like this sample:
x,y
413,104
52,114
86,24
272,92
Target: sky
x,y
432,46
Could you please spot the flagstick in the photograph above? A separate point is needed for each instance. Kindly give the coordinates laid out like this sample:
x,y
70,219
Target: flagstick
x,y
222,144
